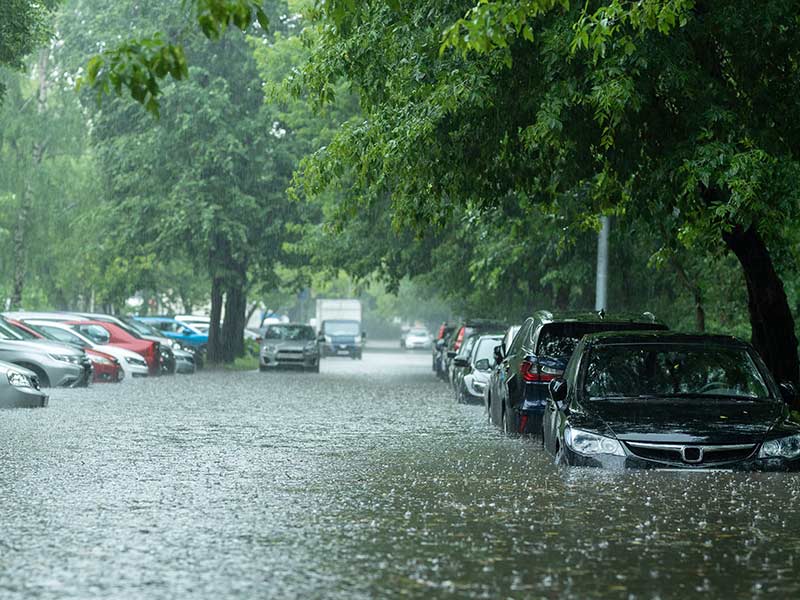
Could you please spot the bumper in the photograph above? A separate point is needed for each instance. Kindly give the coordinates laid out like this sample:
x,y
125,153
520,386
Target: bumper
x,y
340,349
185,366
274,361
67,375
12,397
108,374
634,462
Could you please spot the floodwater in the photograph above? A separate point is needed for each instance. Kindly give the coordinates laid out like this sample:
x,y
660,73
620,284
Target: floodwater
x,y
366,481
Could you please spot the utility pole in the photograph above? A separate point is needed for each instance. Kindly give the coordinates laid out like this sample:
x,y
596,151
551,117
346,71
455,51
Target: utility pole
x,y
601,295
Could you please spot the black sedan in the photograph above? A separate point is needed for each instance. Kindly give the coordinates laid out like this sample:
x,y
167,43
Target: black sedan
x,y
670,400
517,393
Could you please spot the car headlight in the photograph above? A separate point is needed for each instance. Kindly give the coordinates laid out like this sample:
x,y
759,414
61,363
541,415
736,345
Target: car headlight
x,y
270,349
68,358
18,379
785,447
101,360
176,345
135,361
591,444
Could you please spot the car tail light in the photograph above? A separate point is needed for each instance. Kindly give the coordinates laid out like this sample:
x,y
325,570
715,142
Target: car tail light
x,y
533,371
440,335
459,339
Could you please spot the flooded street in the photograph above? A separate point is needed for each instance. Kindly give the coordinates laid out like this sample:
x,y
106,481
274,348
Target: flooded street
x,y
366,481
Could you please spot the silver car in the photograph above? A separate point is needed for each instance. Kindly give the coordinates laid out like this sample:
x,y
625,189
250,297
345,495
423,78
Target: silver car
x,y
289,345
55,364
20,388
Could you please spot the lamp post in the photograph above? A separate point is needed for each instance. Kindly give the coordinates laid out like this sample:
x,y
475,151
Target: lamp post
x,y
601,294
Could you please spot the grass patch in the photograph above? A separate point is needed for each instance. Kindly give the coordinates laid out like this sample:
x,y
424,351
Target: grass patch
x,y
243,363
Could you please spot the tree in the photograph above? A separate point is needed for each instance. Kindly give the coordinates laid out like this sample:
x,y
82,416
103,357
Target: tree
x,y
648,110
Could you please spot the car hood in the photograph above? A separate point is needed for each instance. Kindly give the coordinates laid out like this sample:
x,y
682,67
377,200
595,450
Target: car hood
x,y
40,346
687,420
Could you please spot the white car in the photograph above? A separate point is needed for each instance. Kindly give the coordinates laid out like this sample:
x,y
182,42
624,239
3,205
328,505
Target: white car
x,y
133,364
417,339
19,388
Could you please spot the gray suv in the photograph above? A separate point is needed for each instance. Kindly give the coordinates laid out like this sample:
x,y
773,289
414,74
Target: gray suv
x,y
56,365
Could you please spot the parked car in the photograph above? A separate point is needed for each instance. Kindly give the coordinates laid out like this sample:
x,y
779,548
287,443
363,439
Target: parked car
x,y
670,400
497,375
55,364
417,338
111,334
461,361
20,388
185,357
475,369
166,347
463,332
105,368
184,333
439,349
289,345
132,363
538,355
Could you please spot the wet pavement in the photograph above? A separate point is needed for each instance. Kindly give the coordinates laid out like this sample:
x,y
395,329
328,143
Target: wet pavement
x,y
366,481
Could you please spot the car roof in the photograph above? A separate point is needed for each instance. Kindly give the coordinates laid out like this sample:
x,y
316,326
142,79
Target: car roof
x,y
669,337
587,316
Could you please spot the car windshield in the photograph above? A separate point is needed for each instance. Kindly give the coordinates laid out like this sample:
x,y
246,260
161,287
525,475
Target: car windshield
x,y
486,349
673,370
560,339
140,328
60,335
7,333
289,332
342,327
418,332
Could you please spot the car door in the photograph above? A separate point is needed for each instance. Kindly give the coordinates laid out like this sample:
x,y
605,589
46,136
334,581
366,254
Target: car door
x,y
505,378
554,416
521,348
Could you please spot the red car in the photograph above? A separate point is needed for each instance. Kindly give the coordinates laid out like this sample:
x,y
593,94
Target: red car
x,y
105,367
109,333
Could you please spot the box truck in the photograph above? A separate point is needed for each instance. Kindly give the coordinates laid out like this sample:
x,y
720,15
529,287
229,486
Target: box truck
x,y
338,325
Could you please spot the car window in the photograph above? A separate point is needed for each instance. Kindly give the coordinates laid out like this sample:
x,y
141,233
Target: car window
x,y
466,347
670,370
485,349
342,328
61,335
6,333
288,332
524,331
559,339
96,333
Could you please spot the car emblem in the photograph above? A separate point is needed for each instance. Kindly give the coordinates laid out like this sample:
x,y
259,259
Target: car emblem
x,y
692,454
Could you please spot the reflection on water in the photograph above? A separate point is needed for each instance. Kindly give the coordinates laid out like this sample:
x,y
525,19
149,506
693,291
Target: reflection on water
x,y
367,481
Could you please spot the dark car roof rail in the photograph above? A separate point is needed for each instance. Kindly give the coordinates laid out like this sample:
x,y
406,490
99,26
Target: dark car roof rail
x,y
548,316
639,336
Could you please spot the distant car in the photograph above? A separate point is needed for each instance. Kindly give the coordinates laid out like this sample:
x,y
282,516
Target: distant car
x,y
417,338
55,364
20,388
670,400
111,334
105,368
132,363
341,337
462,333
185,333
538,355
289,345
475,369
439,349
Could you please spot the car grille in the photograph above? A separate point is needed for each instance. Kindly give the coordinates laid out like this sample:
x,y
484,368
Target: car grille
x,y
690,454
290,355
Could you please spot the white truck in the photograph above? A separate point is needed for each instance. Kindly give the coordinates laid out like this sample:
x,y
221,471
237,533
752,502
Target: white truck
x,y
338,325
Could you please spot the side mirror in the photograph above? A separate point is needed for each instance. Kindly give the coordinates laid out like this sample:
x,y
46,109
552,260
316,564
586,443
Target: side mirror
x,y
788,392
498,354
186,331
483,364
557,390
460,362
451,353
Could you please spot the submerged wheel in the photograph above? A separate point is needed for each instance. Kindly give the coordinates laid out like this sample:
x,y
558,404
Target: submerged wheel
x,y
508,427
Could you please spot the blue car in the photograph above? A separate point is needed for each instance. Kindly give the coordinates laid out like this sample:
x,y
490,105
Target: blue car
x,y
516,400
184,333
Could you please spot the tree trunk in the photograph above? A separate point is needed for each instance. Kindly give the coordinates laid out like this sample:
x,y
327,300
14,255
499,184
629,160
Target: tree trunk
x,y
214,350
770,316
25,201
233,327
